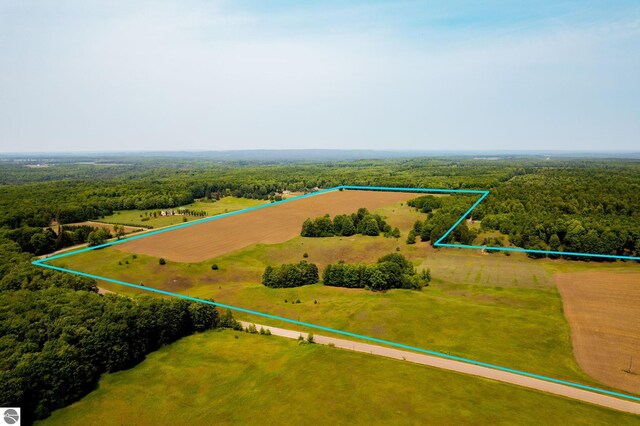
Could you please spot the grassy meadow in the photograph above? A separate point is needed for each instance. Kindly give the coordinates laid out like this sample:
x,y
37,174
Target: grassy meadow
x,y
233,377
224,205
489,307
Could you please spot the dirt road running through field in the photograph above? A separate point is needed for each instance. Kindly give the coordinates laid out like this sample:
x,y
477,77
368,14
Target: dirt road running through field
x,y
463,367
271,225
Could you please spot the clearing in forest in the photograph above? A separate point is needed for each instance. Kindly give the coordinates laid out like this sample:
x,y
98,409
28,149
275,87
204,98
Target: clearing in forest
x,y
276,224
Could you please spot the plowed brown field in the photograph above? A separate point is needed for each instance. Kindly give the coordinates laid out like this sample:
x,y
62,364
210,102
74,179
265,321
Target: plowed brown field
x,y
603,310
270,225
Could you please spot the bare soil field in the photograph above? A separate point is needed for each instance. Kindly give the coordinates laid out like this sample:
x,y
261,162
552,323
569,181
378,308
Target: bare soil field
x,y
603,310
272,225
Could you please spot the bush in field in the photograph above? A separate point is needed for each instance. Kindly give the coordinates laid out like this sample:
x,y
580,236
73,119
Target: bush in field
x,y
290,275
162,261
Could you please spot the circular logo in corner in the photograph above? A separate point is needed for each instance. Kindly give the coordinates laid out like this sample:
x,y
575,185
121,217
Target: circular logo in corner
x,y
11,416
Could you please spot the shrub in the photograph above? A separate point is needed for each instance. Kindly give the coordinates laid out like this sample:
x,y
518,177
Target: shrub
x,y
305,255
214,267
411,238
162,261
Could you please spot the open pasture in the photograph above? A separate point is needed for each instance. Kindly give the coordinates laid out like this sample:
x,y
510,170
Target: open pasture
x,y
238,378
275,224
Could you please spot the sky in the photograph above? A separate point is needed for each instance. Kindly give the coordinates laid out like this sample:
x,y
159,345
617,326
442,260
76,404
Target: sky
x,y
137,75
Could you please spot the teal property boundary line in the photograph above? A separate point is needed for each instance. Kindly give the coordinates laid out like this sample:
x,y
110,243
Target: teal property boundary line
x,y
42,263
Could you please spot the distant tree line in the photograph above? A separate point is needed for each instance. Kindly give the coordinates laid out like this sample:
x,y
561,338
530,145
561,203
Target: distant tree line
x,y
290,275
391,271
57,335
362,222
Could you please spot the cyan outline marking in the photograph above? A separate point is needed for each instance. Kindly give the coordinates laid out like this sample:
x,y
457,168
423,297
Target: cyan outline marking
x,y
41,262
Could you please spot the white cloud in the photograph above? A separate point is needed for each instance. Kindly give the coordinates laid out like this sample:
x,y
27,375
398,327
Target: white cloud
x,y
195,76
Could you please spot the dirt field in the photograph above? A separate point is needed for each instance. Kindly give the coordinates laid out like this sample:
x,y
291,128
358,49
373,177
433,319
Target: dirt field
x,y
270,225
603,310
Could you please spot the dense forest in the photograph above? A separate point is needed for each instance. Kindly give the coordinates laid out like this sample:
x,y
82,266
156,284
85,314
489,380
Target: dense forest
x,y
58,335
576,210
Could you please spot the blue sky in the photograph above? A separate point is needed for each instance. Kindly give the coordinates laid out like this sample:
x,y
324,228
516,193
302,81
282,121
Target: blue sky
x,y
210,75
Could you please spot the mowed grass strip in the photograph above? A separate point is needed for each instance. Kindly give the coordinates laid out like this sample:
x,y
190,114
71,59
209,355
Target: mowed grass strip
x,y
237,378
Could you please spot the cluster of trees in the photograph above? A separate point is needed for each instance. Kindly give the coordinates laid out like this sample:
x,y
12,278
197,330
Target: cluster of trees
x,y
58,335
391,271
41,241
442,213
426,203
290,275
362,222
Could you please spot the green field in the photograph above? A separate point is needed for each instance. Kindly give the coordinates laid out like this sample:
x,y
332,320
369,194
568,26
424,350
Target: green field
x,y
224,205
234,377
489,307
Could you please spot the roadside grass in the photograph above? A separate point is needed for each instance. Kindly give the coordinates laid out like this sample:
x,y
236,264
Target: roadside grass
x,y
233,377
493,308
224,205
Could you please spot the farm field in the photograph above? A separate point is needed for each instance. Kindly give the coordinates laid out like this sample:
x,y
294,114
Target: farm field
x,y
234,377
224,205
602,309
490,307
275,224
